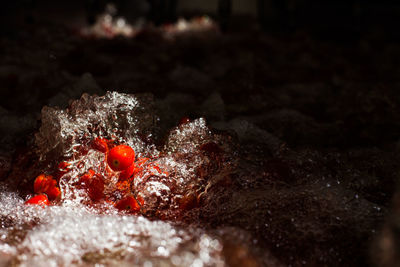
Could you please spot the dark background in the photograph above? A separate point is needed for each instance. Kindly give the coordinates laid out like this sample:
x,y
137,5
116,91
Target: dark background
x,y
322,15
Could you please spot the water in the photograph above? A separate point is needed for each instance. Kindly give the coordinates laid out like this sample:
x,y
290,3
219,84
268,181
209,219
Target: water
x,y
78,230
209,198
63,235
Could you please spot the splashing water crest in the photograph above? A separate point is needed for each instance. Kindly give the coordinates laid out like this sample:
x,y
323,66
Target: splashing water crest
x,y
81,231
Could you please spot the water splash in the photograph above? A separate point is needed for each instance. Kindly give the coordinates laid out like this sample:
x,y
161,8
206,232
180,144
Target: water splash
x,y
78,230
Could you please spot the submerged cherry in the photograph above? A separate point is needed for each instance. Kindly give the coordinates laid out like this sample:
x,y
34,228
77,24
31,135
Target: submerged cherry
x,y
85,179
38,200
129,204
120,157
128,173
96,188
53,193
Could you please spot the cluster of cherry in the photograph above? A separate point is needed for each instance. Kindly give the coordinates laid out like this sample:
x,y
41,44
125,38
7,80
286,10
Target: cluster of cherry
x,y
120,159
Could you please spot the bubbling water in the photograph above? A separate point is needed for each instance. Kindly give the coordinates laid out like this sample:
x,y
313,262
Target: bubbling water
x,y
191,156
79,230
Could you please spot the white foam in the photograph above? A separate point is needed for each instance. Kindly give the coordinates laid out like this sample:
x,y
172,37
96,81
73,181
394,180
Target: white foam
x,y
64,236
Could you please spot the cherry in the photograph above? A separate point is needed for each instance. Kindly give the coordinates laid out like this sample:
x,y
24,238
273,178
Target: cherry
x,y
129,204
42,183
85,179
94,185
46,184
96,188
129,173
38,200
53,193
120,157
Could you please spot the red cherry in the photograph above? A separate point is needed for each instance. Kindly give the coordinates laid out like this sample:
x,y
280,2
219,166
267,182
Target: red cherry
x,y
53,193
42,183
52,183
120,157
129,204
85,179
46,184
96,188
38,200
129,173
